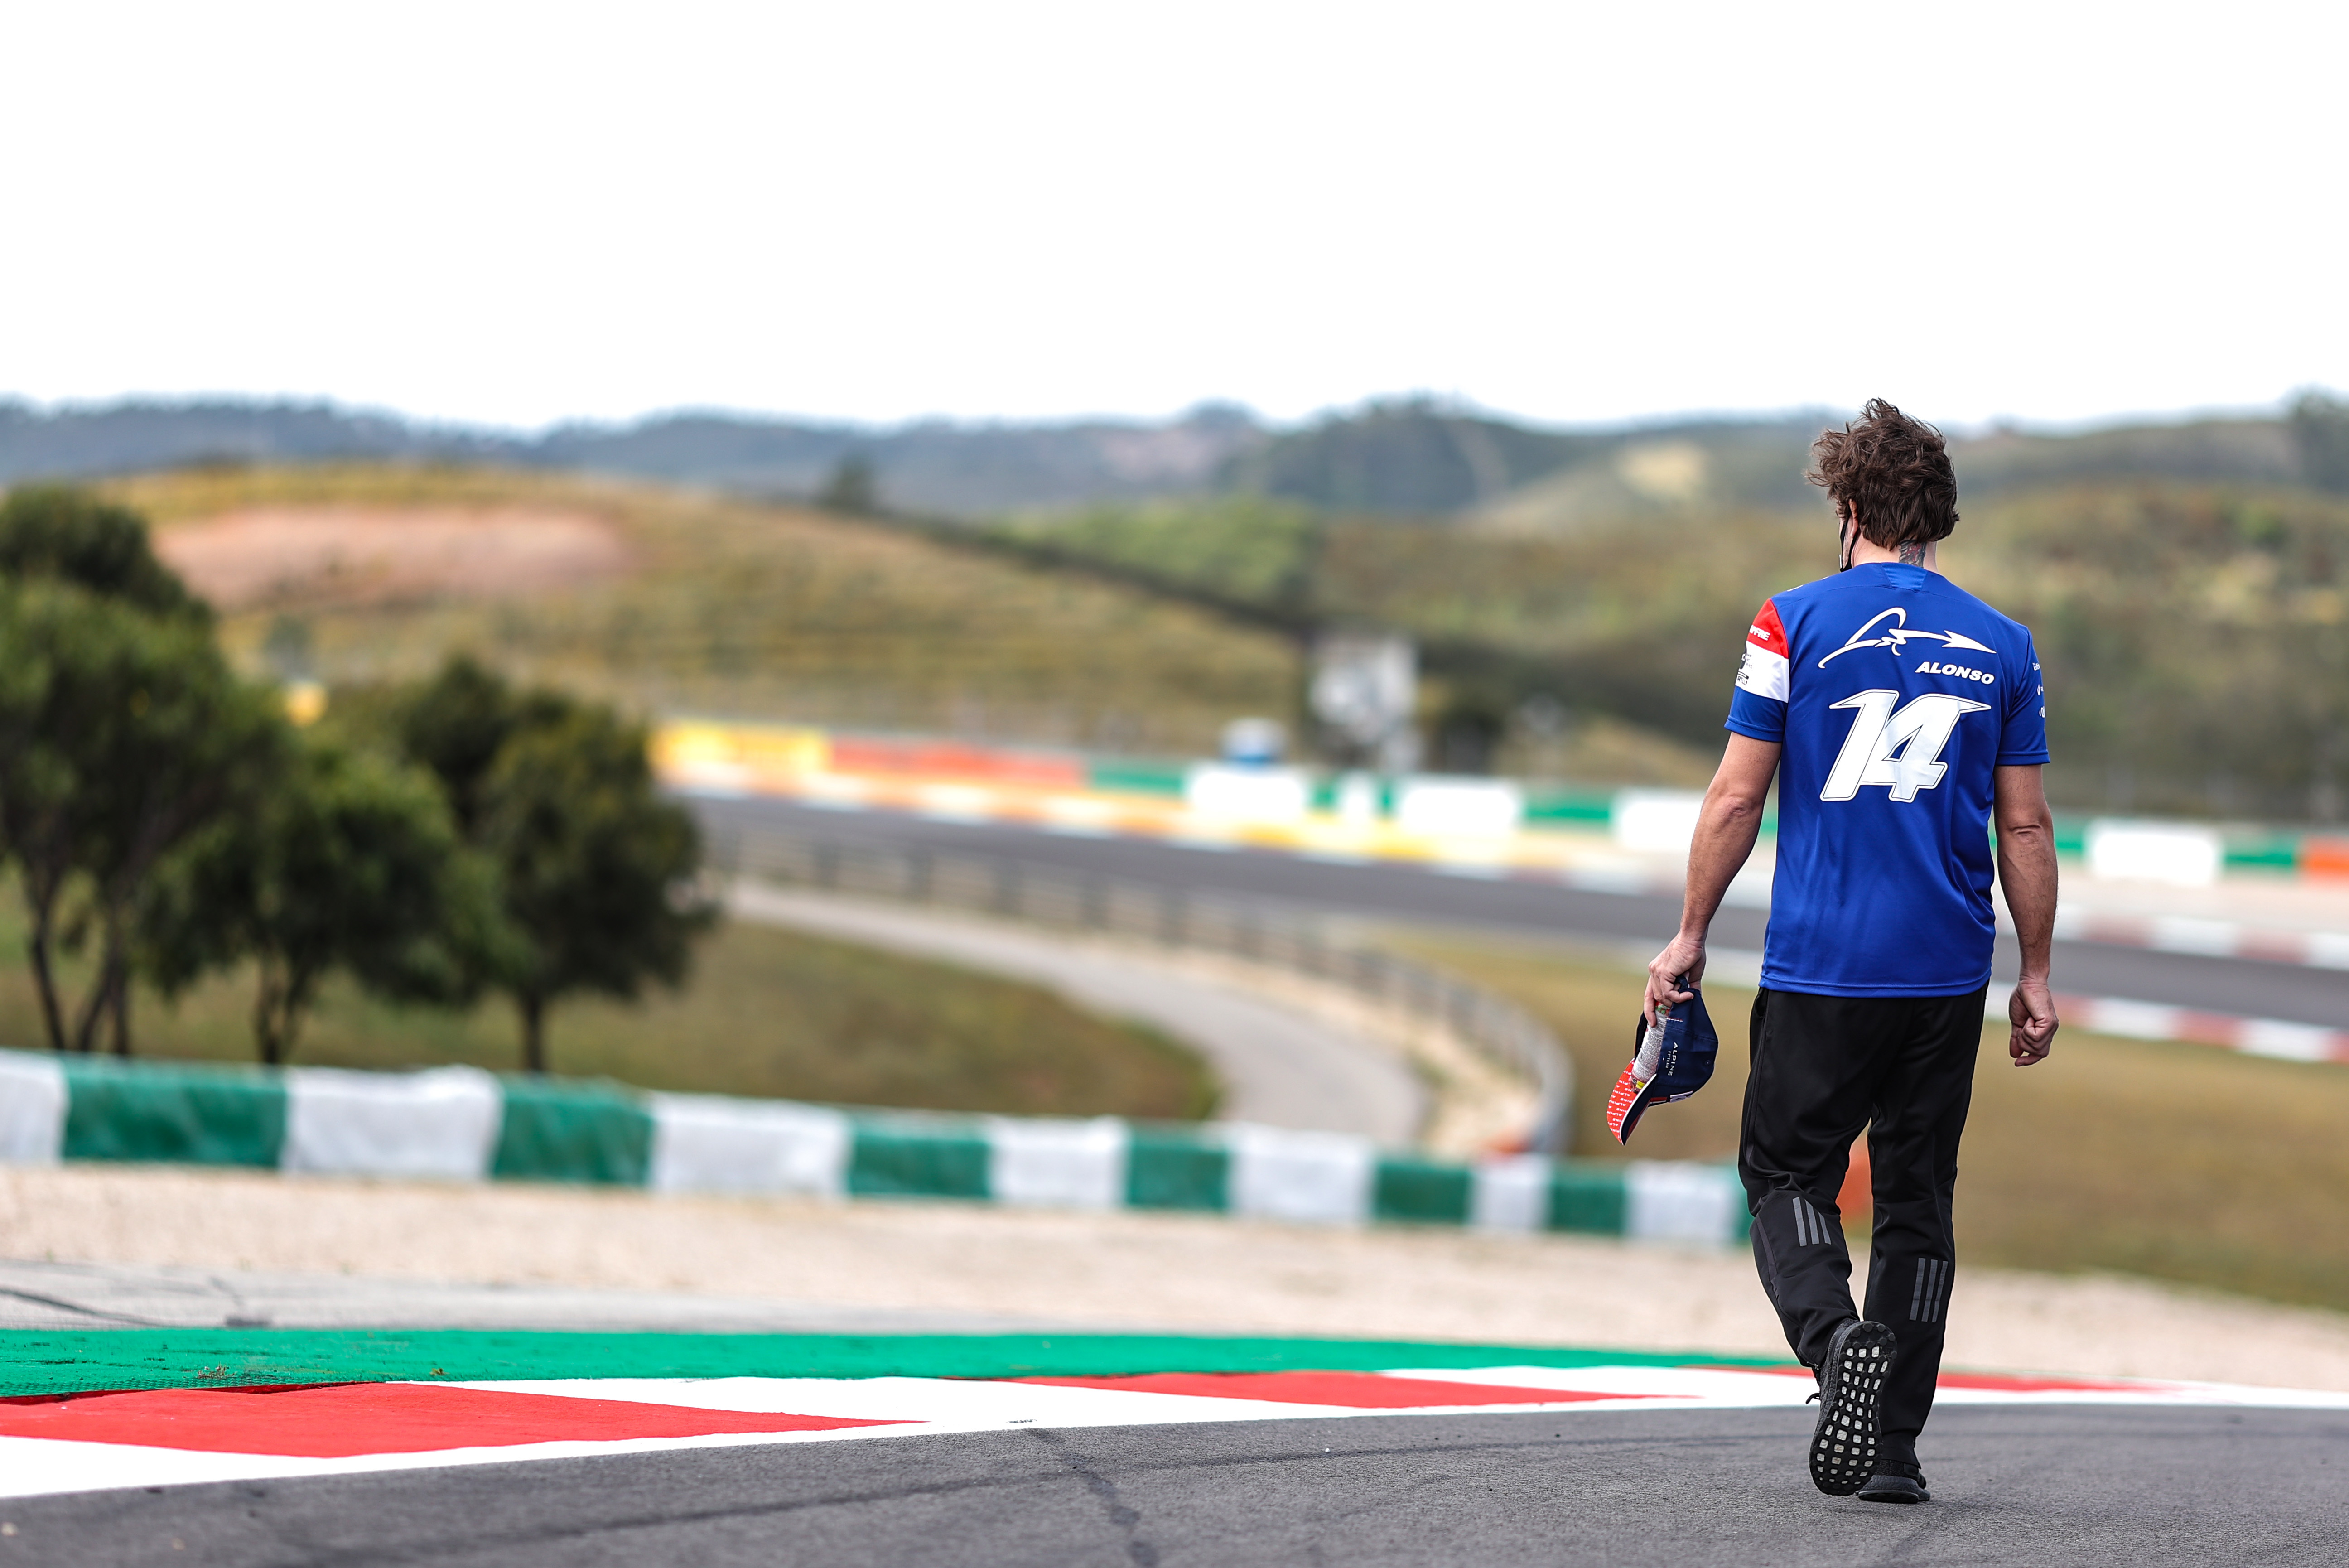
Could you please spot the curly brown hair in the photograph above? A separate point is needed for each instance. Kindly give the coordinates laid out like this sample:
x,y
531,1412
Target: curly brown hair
x,y
1893,472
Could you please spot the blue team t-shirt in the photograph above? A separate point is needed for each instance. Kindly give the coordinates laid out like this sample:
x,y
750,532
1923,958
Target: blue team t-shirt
x,y
1895,693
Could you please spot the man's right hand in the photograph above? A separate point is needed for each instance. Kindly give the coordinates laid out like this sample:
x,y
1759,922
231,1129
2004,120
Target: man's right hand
x,y
2031,1012
1682,962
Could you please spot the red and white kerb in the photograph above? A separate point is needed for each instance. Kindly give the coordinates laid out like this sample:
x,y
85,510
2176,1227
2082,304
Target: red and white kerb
x,y
1764,669
182,1437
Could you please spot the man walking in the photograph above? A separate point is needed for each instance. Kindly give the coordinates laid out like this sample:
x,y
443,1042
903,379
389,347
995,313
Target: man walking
x,y
1902,717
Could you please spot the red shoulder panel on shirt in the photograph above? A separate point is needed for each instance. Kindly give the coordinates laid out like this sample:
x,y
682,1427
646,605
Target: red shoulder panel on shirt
x,y
1767,633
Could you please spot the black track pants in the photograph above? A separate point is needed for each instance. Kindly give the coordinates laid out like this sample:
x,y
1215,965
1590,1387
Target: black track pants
x,y
1824,1067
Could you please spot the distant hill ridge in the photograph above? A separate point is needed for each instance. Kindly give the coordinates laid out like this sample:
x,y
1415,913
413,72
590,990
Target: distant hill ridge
x,y
931,466
1410,457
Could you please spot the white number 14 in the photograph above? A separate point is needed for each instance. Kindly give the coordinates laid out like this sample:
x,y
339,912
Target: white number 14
x,y
1901,751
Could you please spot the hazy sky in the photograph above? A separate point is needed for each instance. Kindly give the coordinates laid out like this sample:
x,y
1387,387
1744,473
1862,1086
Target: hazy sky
x,y
518,213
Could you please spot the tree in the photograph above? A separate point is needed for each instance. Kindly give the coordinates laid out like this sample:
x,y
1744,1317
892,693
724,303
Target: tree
x,y
2319,432
594,863
595,869
349,862
121,734
56,531
852,488
122,730
456,724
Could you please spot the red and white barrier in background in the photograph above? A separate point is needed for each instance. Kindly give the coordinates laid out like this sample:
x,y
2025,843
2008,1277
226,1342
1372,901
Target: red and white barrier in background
x,y
2275,1037
2209,939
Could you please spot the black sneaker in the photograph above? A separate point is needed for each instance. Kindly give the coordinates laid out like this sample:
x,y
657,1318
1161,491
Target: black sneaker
x,y
1851,1386
1895,1483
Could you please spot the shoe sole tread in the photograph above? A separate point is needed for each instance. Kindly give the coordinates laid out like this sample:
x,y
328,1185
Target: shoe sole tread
x,y
1851,1391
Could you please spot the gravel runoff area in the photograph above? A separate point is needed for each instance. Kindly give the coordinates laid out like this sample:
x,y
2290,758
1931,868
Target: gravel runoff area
x,y
838,1261
370,554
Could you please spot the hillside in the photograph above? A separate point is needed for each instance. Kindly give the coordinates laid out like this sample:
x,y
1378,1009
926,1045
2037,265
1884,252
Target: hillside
x,y
2183,581
2196,640
677,600
2194,634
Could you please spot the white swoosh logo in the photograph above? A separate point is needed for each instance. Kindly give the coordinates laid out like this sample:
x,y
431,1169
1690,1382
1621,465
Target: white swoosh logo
x,y
1897,636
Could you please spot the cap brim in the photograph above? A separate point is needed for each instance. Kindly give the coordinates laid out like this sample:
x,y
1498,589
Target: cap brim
x,y
1628,1103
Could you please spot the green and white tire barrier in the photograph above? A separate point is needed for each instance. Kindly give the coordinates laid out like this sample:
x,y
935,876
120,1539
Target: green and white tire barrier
x,y
463,1124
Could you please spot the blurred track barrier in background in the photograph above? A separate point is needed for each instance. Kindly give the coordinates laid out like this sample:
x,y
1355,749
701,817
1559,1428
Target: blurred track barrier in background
x,y
1626,839
2285,1041
1253,931
1489,825
464,1125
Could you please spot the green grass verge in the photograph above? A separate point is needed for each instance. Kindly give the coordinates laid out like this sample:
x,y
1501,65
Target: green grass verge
x,y
767,1012
35,1362
2175,1161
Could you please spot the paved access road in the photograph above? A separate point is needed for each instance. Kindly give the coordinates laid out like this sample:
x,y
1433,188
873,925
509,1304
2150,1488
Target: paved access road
x,y
1277,1065
1390,891
2073,1486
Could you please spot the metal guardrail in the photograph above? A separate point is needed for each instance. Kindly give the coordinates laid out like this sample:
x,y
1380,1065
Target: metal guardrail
x,y
1253,930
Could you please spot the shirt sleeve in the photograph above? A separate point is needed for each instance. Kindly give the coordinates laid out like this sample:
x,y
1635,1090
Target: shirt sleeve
x,y
2022,738
1757,708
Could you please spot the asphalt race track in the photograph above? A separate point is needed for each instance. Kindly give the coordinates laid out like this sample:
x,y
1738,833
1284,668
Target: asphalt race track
x,y
2046,1485
1404,893
2069,1486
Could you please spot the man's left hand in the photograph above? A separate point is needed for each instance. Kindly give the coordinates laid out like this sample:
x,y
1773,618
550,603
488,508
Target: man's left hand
x,y
2030,1017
